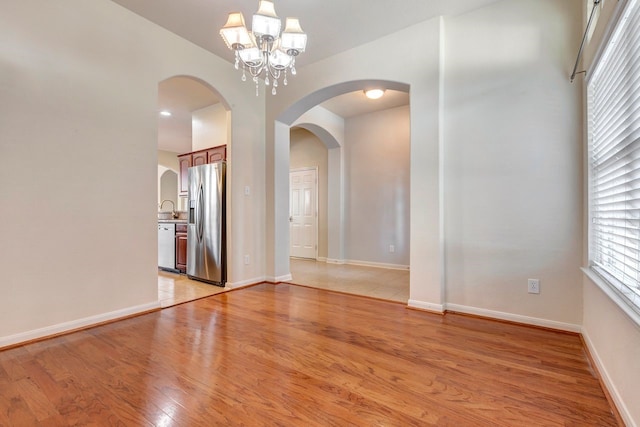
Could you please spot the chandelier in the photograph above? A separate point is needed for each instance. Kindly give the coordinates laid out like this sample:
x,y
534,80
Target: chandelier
x,y
263,51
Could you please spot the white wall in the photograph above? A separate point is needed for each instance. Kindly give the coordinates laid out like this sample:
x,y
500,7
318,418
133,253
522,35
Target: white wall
x,y
377,168
209,127
308,151
78,130
513,169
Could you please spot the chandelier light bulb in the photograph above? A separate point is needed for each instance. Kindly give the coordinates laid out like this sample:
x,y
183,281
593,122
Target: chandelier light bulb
x,y
263,51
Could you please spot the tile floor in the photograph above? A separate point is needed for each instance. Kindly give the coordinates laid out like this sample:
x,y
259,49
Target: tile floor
x,y
381,283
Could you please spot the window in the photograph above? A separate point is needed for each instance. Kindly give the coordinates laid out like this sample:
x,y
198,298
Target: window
x,y
613,107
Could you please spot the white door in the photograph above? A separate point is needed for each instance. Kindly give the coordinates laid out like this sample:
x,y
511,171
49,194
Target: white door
x,y
303,211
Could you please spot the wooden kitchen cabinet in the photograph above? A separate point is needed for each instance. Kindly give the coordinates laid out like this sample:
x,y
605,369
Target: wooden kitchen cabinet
x,y
185,163
181,247
217,154
197,158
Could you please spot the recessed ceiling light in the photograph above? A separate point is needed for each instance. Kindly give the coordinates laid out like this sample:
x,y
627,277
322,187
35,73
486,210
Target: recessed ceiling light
x,y
165,113
374,93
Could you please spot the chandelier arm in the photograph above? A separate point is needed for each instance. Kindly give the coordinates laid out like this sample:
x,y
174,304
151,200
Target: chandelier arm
x,y
268,48
256,70
275,71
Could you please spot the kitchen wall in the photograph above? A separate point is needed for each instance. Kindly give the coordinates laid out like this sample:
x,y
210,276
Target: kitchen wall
x,y
308,151
168,160
612,336
377,168
168,163
78,131
209,127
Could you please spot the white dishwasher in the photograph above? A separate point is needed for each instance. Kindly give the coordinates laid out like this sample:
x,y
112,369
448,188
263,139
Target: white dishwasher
x,y
167,246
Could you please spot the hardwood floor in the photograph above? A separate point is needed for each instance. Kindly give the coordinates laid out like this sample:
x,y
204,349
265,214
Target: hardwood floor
x,y
286,355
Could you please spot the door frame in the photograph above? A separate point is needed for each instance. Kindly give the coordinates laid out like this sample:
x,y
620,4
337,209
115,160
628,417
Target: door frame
x,y
317,220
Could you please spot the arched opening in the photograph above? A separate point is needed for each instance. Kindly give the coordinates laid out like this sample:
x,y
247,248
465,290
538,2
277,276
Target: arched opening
x,y
367,182
193,118
168,186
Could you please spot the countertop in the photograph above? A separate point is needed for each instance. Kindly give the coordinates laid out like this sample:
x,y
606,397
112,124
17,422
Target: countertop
x,y
173,221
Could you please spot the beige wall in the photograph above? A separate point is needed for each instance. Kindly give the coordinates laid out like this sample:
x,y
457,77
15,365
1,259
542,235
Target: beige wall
x,y
377,173
209,127
169,160
308,151
168,164
513,147
78,131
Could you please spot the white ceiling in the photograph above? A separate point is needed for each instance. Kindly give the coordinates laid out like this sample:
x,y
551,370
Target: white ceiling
x,y
356,103
332,26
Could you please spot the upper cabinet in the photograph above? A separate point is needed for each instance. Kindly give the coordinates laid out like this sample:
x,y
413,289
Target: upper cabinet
x,y
216,154
185,163
197,158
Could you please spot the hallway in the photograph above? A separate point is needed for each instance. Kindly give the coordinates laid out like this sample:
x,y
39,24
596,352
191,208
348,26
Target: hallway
x,y
374,282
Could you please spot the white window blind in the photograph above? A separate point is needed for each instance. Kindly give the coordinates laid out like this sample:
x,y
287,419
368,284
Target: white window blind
x,y
614,156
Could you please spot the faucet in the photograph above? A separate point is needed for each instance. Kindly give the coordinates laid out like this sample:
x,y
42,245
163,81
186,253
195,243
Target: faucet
x,y
174,214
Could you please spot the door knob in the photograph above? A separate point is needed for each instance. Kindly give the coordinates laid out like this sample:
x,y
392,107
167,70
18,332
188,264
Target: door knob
x,y
290,219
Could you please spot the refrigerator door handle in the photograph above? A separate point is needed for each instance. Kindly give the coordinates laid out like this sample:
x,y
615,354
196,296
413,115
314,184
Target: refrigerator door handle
x,y
199,222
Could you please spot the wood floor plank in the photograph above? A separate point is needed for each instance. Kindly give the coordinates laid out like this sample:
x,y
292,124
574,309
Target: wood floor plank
x,y
287,355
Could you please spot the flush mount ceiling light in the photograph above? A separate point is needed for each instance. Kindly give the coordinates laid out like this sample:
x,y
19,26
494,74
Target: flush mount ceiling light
x,y
374,93
263,51
165,113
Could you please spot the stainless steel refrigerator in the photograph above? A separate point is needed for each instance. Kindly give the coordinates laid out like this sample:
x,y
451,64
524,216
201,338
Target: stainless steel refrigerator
x,y
206,232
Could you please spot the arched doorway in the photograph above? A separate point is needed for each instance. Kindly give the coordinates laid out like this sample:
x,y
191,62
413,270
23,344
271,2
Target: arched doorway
x,y
369,191
192,116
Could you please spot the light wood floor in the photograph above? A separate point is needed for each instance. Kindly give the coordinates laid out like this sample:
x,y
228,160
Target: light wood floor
x,y
381,283
386,284
286,355
174,288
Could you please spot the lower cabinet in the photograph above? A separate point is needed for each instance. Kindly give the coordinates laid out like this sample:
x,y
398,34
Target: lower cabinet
x,y
181,247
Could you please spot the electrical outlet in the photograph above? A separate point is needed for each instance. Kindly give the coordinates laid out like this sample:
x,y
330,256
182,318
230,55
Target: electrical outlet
x,y
246,260
392,248
533,286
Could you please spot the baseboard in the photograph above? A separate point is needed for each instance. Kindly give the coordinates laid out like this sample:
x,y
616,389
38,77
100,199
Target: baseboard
x,y
244,283
426,306
364,263
321,259
607,382
377,264
278,279
75,325
516,318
